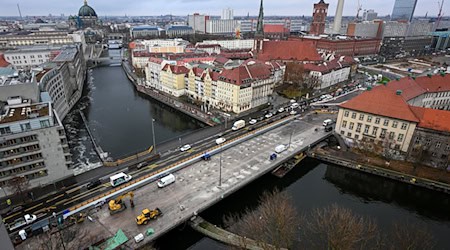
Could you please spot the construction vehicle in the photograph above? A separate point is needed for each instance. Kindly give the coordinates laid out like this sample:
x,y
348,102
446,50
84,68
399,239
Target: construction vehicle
x,y
117,205
148,215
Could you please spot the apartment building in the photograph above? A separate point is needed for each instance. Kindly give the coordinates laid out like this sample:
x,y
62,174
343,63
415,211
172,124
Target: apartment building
x,y
173,79
327,74
393,118
33,143
26,58
231,44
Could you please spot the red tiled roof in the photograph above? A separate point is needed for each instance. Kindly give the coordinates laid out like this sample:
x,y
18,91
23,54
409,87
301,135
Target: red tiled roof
x,y
205,46
156,60
381,101
176,69
433,118
3,62
275,28
221,59
289,50
410,89
329,66
236,55
435,83
246,72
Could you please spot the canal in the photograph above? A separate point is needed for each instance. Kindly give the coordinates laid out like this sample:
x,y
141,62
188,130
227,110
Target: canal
x,y
312,185
119,117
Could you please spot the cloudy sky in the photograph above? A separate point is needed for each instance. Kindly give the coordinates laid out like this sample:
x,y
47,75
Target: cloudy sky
x,y
211,7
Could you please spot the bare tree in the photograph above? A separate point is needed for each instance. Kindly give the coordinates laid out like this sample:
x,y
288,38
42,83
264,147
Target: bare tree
x,y
411,236
68,238
275,222
335,227
18,185
294,74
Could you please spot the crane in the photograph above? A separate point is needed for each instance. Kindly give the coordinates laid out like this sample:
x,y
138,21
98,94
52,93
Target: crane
x,y
358,9
440,14
117,204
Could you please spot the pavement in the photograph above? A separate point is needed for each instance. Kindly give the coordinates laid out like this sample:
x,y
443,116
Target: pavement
x,y
197,186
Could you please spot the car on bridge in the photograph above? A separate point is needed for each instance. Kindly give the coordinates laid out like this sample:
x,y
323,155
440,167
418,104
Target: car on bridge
x,y
185,148
220,140
252,121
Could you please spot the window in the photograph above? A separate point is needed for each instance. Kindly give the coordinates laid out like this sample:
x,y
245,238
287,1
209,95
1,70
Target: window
x,y
369,118
344,124
346,113
394,124
438,144
357,137
366,129
361,117
342,132
349,134
351,126
45,124
404,125
5,130
386,122
25,126
374,131
383,133
354,115
448,147
391,135
428,142
358,127
400,137
377,120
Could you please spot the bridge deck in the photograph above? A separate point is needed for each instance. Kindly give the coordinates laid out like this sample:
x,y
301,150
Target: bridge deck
x,y
196,187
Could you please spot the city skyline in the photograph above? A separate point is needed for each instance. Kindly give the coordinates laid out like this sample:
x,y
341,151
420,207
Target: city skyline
x,y
185,7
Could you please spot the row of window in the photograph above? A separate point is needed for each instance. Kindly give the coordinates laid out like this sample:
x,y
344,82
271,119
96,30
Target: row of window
x,y
22,169
16,141
374,132
20,160
386,122
20,150
439,94
427,142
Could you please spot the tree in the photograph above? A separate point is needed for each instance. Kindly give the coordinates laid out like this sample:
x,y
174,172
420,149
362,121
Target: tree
x,y
275,221
68,238
18,185
294,74
411,236
335,227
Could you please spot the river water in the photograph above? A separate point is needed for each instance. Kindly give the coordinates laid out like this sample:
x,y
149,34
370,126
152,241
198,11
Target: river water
x,y
120,119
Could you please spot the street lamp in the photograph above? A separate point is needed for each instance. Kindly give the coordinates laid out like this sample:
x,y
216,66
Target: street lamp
x,y
220,166
153,135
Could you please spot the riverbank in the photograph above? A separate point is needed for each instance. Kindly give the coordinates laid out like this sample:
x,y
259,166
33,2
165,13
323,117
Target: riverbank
x,y
422,177
185,108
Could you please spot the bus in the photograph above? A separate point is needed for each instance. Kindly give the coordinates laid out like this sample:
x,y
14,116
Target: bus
x,y
119,178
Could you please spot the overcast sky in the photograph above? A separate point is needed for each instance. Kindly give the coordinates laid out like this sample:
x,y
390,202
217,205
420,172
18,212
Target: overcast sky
x,y
212,7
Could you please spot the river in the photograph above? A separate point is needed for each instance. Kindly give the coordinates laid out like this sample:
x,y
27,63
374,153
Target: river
x,y
120,119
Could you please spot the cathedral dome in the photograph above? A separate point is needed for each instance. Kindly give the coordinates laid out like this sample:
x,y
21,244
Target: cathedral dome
x,y
86,10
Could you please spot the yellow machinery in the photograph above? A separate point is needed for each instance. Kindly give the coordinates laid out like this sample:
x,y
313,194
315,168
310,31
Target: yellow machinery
x,y
117,205
148,215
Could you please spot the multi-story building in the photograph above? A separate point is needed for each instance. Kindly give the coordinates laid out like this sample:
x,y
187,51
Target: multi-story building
x,y
347,46
400,119
227,14
232,44
369,15
330,73
144,31
198,22
173,79
39,38
276,31
153,72
221,26
404,10
179,30
286,51
33,143
319,16
26,58
365,29
63,79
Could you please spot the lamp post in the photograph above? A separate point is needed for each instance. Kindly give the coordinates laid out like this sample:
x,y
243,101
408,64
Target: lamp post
x,y
220,166
153,135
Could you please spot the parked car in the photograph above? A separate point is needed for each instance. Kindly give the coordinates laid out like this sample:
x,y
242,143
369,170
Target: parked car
x,y
268,115
280,110
142,164
220,140
185,148
293,112
252,121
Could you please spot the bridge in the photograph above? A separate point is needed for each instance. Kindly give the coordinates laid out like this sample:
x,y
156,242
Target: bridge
x,y
198,186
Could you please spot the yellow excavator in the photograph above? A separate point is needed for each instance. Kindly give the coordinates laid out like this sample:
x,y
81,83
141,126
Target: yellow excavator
x,y
148,215
117,205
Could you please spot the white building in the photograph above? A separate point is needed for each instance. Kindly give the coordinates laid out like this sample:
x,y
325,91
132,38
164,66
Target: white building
x,y
40,38
179,30
198,22
330,73
369,15
216,26
29,57
231,44
227,14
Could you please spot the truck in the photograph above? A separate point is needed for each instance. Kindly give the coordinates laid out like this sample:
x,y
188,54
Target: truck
x,y
26,220
238,125
148,215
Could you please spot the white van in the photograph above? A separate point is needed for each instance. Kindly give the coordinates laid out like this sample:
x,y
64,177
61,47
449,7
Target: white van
x,y
280,148
294,105
166,180
327,122
119,178
238,125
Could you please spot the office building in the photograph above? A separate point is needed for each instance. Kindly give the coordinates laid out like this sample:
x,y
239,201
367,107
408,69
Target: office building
x,y
369,15
222,26
198,22
227,14
403,10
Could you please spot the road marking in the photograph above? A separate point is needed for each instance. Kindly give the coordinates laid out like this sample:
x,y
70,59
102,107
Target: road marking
x,y
52,199
9,217
31,208
74,189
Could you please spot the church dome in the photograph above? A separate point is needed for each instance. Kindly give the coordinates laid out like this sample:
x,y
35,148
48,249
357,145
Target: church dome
x,y
86,10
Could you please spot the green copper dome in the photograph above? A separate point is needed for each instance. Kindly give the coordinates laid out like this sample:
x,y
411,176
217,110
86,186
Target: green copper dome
x,y
86,10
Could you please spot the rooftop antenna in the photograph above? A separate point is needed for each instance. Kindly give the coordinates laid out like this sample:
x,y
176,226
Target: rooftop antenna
x,y
20,13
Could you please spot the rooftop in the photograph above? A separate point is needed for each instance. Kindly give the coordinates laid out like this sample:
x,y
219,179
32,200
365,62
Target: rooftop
x,y
13,114
144,27
289,50
434,119
68,53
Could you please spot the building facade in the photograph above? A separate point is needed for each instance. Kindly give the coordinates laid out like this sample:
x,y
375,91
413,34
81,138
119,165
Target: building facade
x,y
144,31
40,38
198,22
179,30
173,79
319,16
404,10
27,58
221,26
33,144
